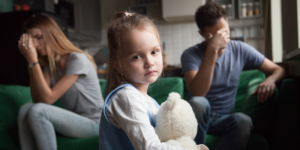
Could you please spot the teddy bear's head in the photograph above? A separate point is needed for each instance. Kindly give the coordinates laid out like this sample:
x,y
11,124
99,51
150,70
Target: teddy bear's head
x,y
175,119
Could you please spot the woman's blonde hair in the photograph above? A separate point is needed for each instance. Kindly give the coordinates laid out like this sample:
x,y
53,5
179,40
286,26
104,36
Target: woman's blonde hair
x,y
56,43
122,23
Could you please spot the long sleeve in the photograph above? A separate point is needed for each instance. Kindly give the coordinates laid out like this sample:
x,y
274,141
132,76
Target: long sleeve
x,y
128,111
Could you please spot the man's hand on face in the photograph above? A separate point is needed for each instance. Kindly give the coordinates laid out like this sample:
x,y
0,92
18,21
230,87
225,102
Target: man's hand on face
x,y
265,90
219,40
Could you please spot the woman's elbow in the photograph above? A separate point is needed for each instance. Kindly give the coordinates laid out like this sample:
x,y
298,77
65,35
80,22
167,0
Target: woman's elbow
x,y
47,100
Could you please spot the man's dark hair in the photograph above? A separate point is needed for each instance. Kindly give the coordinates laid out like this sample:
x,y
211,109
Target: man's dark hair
x,y
208,15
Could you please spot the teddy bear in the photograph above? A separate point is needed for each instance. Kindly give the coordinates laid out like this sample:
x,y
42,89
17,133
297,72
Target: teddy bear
x,y
176,123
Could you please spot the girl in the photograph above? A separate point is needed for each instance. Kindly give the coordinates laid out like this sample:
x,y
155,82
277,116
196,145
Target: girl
x,y
135,61
73,76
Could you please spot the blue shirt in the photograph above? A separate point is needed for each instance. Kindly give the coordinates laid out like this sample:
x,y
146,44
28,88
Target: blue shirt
x,y
228,67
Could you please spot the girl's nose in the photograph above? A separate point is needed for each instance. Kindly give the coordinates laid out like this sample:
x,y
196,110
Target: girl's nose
x,y
149,61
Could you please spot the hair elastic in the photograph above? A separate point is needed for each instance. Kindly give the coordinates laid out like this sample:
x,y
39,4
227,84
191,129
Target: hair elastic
x,y
127,13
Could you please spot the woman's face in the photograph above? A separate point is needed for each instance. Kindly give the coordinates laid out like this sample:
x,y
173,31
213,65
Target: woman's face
x,y
38,40
141,59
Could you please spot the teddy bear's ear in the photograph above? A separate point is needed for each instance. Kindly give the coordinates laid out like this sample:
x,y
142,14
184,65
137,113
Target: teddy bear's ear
x,y
171,101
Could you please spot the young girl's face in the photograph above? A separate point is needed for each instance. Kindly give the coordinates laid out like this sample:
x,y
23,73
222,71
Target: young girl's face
x,y
141,59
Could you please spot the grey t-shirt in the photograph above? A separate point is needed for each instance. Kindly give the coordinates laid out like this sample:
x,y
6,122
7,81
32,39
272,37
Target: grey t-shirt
x,y
84,96
228,67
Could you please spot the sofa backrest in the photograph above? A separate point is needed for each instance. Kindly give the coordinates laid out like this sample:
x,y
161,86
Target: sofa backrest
x,y
245,78
13,97
160,89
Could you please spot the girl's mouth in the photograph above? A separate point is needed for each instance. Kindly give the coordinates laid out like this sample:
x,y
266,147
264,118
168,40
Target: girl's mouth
x,y
150,73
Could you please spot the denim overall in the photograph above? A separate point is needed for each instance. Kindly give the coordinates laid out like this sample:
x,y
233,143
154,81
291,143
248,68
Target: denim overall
x,y
111,137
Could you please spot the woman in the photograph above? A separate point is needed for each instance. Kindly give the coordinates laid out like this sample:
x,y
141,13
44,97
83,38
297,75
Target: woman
x,y
72,74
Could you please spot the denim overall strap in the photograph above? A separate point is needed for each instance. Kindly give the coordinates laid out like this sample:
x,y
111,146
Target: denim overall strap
x,y
149,114
111,137
109,98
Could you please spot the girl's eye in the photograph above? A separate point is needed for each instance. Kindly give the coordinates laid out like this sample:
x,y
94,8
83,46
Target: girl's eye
x,y
137,57
154,52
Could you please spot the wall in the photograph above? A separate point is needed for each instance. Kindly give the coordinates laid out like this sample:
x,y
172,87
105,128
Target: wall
x,y
110,7
177,36
290,33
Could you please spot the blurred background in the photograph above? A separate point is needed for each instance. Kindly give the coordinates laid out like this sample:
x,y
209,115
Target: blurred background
x,y
270,26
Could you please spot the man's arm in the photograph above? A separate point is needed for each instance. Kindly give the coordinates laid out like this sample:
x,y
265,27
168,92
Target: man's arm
x,y
266,88
199,82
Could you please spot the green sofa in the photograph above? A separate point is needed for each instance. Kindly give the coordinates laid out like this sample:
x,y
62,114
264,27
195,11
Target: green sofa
x,y
13,97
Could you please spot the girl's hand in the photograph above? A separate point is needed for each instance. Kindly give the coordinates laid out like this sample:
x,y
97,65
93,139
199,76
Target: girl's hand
x,y
27,48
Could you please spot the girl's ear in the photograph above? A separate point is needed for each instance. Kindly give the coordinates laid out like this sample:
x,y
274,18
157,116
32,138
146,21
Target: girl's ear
x,y
116,65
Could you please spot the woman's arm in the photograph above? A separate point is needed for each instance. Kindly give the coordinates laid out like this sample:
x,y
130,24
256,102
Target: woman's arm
x,y
46,94
34,93
39,83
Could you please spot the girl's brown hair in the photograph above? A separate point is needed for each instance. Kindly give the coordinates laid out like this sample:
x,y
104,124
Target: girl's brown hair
x,y
56,43
122,23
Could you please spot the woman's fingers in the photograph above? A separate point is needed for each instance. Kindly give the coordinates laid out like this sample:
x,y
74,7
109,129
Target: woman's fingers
x,y
23,41
20,46
31,41
27,41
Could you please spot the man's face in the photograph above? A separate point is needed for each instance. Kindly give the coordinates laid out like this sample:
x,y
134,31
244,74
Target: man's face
x,y
221,23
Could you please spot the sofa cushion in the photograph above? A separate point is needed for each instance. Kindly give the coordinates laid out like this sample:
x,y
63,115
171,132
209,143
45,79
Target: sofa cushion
x,y
65,143
11,99
255,142
160,89
245,78
255,109
262,114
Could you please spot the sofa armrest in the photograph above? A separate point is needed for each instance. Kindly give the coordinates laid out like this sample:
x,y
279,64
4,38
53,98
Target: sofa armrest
x,y
256,110
263,115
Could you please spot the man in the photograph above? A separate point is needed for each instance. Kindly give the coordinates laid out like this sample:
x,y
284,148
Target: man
x,y
212,69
